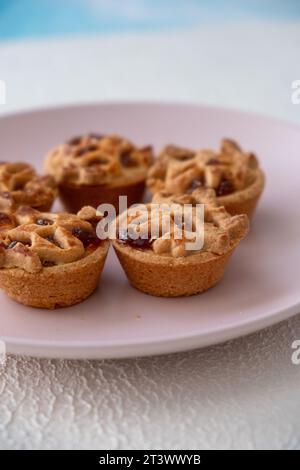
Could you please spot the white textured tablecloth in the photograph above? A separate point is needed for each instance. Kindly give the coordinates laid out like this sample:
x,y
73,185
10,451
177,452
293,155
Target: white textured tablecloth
x,y
242,394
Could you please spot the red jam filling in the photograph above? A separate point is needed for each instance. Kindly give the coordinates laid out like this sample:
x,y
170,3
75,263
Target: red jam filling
x,y
4,218
51,239
127,160
11,245
197,183
183,158
14,243
48,264
213,161
225,188
87,149
140,243
98,161
89,239
74,141
44,222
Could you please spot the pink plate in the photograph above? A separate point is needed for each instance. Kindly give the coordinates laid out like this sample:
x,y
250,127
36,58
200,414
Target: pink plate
x,y
261,284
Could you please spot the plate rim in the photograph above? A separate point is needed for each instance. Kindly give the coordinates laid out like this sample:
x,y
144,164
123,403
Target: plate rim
x,y
150,103
117,350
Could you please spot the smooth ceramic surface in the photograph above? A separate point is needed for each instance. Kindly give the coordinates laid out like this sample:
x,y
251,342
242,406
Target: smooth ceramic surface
x,y
261,284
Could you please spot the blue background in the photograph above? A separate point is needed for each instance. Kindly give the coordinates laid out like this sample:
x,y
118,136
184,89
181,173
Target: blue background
x,y
37,18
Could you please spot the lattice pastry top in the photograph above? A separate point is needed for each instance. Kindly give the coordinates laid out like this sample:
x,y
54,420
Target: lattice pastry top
x,y
221,231
179,170
95,159
33,240
20,185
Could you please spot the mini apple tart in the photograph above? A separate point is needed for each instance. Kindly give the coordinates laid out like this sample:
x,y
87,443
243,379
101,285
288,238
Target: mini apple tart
x,y
95,169
235,175
50,260
20,185
169,261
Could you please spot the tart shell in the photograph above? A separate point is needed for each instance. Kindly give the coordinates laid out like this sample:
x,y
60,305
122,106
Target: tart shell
x,y
246,200
164,276
56,286
74,197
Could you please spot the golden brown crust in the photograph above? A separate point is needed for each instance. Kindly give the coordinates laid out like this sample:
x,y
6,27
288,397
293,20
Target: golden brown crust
x,y
20,185
57,286
50,260
171,277
232,173
74,197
